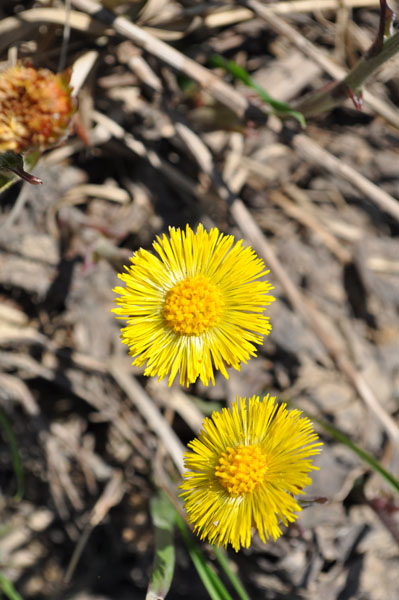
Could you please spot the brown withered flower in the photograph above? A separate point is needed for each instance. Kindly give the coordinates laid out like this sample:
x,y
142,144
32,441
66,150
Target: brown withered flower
x,y
36,108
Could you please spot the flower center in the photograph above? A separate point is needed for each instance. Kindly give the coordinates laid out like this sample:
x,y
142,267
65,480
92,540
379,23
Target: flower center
x,y
193,306
241,469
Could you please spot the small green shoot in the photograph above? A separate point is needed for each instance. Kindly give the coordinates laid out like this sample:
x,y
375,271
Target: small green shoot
x,y
281,109
8,589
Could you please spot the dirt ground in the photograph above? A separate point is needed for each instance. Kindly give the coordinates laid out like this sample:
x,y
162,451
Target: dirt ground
x,y
154,148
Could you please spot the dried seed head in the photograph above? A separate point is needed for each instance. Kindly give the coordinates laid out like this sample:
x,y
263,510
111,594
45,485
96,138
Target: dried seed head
x,y
36,108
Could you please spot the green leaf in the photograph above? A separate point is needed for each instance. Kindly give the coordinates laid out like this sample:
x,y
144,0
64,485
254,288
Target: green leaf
x,y
7,587
163,518
15,455
281,109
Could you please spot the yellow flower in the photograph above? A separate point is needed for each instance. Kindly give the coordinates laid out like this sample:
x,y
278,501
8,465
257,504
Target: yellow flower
x,y
244,468
36,108
198,307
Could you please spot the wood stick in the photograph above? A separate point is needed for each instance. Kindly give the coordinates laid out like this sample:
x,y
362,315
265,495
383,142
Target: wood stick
x,y
310,150
233,15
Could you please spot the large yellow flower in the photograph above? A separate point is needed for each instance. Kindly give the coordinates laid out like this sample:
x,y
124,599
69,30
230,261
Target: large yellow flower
x,y
244,469
198,307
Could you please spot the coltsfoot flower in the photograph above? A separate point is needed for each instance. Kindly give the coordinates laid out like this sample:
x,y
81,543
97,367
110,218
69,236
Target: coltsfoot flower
x,y
245,468
197,308
36,108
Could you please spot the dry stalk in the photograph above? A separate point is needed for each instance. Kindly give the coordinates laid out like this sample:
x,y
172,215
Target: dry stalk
x,y
144,404
230,15
310,150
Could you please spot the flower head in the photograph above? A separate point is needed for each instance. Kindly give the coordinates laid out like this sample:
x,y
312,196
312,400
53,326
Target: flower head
x,y
198,307
35,108
244,469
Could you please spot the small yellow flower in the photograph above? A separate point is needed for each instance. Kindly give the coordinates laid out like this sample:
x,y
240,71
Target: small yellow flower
x,y
198,307
244,469
36,108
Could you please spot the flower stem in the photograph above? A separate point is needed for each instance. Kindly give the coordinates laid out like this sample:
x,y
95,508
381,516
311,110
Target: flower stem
x,y
334,94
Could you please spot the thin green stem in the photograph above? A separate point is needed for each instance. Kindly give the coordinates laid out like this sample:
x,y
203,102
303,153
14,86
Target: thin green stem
x,y
213,585
327,98
368,64
234,580
365,456
7,587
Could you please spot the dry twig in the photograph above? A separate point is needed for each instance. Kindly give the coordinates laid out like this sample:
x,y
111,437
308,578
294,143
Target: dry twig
x,y
151,414
317,155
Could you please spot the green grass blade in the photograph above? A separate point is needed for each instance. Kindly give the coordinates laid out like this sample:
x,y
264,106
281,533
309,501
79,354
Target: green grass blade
x,y
234,580
9,590
365,456
163,518
213,585
280,108
15,455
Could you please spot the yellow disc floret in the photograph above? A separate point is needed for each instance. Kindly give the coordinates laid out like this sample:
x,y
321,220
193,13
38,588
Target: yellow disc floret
x,y
241,469
193,306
